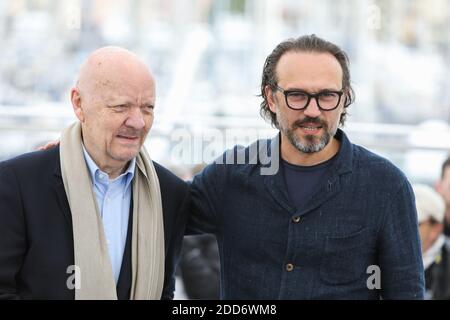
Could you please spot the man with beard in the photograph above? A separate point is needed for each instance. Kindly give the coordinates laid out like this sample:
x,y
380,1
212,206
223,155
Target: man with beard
x,y
335,221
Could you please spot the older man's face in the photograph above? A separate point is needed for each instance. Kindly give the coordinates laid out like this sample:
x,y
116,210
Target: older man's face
x,y
117,114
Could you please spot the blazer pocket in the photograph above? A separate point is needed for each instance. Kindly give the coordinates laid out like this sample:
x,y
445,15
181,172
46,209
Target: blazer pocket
x,y
344,258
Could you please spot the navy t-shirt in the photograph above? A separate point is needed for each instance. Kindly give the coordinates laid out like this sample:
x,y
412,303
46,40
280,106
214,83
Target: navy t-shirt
x,y
302,181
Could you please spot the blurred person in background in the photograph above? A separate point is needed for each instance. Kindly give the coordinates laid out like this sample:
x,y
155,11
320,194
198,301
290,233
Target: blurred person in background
x,y
435,246
313,228
443,187
200,267
199,262
94,218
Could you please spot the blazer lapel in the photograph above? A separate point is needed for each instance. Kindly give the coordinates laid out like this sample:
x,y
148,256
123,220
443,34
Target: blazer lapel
x,y
58,186
275,183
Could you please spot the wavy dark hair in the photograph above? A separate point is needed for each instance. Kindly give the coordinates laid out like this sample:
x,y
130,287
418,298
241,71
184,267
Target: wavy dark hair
x,y
308,43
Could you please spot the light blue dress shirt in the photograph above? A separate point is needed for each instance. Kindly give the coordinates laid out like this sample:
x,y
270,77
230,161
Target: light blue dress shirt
x,y
113,200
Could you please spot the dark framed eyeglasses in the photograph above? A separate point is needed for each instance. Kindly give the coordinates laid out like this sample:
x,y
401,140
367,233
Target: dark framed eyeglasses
x,y
326,100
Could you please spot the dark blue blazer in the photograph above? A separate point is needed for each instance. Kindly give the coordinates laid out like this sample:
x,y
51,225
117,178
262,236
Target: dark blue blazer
x,y
36,238
359,226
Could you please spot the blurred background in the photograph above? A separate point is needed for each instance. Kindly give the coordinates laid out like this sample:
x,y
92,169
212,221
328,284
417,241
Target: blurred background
x,y
207,57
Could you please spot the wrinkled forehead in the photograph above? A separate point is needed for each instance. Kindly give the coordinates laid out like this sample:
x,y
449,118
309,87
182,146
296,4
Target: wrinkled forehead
x,y
309,68
107,81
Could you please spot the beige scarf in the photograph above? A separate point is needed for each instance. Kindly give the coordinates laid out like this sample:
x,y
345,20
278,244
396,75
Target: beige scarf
x,y
95,278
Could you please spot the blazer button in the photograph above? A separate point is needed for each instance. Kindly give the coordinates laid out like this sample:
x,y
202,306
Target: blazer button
x,y
296,219
289,267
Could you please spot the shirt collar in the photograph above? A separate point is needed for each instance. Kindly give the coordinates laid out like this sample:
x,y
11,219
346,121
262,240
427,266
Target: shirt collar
x,y
94,169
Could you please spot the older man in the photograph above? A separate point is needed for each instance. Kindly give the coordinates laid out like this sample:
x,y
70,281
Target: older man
x,y
92,218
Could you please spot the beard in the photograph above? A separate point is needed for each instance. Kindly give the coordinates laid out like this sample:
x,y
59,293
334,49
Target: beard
x,y
311,143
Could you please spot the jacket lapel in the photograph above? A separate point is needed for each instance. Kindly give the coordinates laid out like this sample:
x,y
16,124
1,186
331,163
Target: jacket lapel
x,y
58,186
343,164
332,186
275,183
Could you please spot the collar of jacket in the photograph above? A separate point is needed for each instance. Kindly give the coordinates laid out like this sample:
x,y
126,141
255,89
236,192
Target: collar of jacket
x,y
276,185
344,158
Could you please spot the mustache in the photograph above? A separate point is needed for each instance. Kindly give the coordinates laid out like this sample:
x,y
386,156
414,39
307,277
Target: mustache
x,y
309,120
130,133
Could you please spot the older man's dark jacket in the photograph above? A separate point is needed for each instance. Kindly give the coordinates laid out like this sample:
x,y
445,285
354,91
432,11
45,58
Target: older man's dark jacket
x,y
36,238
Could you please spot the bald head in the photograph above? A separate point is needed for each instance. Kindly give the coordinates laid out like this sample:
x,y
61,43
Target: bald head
x,y
114,100
110,67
